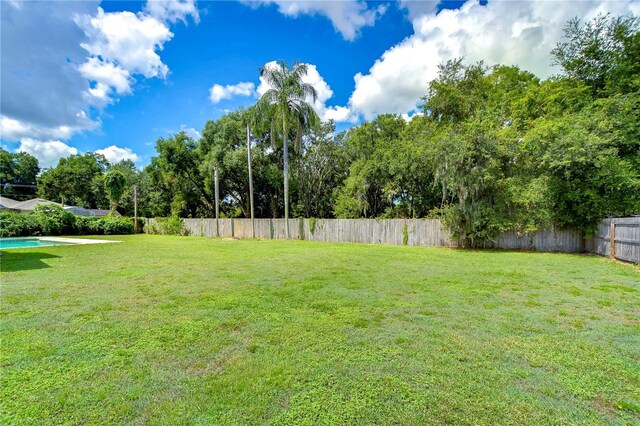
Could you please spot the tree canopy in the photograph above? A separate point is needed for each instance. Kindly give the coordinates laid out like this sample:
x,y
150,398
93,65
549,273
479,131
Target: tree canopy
x,y
18,173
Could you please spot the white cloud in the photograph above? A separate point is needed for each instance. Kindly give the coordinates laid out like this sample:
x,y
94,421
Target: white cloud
x,y
219,92
12,129
324,93
124,44
116,154
107,74
339,114
191,132
127,40
80,57
506,32
347,17
47,152
173,10
407,117
106,77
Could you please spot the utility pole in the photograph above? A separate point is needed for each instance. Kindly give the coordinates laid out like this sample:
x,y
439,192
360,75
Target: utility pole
x,y
135,209
217,191
253,224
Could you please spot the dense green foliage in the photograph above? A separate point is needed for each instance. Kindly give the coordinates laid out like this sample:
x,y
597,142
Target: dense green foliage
x,y
517,153
493,148
175,330
77,180
115,184
19,225
18,173
172,225
54,220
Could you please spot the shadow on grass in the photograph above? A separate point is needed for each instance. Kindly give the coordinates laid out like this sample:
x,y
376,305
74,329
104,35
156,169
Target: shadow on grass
x,y
13,262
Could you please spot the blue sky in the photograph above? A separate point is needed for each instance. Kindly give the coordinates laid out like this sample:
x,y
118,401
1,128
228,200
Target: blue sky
x,y
230,44
112,77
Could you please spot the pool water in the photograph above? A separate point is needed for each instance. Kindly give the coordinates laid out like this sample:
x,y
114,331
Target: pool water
x,y
7,243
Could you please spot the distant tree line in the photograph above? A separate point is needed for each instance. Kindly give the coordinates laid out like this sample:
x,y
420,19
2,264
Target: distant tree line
x,y
18,174
493,149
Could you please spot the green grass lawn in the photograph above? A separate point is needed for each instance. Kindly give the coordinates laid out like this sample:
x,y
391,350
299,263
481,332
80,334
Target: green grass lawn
x,y
184,330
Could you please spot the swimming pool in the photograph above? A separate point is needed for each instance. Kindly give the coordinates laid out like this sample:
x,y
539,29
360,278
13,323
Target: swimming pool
x,y
8,243
28,242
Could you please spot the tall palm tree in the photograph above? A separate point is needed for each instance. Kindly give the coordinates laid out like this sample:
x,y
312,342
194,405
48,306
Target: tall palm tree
x,y
286,103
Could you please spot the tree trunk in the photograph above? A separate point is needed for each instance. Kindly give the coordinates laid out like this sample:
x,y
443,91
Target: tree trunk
x,y
253,224
274,206
286,177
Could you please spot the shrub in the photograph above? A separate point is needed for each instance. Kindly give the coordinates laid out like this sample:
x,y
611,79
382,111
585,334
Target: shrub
x,y
89,225
172,225
55,220
14,224
114,225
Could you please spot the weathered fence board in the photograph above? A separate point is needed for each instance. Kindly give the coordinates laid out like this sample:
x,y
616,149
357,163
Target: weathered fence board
x,y
427,232
626,239
547,240
207,227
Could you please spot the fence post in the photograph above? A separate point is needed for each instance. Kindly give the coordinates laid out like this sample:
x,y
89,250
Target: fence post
x,y
612,240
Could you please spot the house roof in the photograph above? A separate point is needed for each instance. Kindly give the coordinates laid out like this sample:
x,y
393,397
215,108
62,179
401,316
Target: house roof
x,y
29,205
80,211
7,203
103,212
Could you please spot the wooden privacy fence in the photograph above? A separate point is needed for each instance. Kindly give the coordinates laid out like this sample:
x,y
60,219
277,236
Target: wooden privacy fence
x,y
391,231
617,238
624,232
413,232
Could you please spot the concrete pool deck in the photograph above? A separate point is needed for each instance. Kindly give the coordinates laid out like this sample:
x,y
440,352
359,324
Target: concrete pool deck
x,y
76,240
